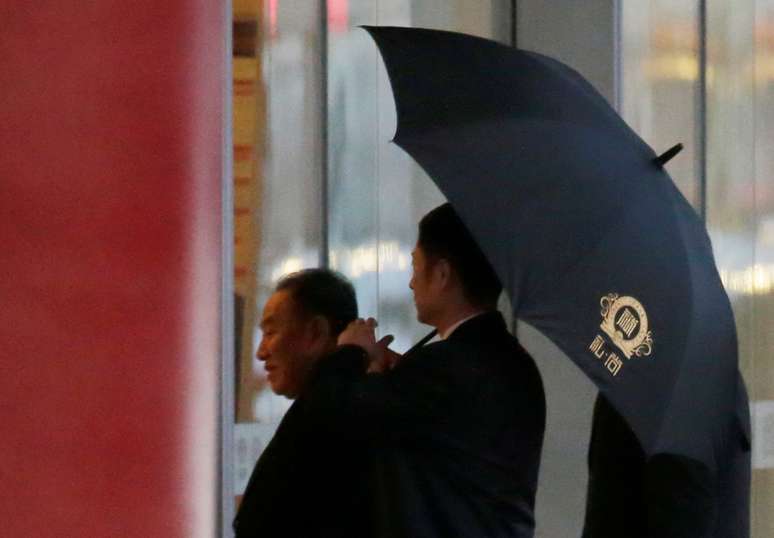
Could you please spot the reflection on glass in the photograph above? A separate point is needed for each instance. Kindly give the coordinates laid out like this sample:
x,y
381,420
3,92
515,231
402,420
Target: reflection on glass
x,y
290,221
731,217
740,204
755,280
762,382
660,68
277,191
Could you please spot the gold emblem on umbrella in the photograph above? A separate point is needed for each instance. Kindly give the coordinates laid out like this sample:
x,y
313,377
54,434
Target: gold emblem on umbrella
x,y
626,323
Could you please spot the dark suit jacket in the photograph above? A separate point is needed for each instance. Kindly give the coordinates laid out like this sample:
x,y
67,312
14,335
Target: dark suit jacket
x,y
666,496
306,484
454,433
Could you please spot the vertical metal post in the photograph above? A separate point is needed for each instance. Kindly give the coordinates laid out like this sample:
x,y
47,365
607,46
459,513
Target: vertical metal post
x,y
511,319
618,56
226,427
513,23
324,160
701,112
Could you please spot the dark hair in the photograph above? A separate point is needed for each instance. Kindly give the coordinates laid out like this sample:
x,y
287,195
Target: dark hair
x,y
443,235
322,292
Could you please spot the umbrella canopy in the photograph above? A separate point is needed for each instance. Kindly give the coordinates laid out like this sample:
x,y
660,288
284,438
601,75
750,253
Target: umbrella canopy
x,y
593,242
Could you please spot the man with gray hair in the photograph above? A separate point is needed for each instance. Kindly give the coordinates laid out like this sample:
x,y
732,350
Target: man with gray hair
x,y
307,483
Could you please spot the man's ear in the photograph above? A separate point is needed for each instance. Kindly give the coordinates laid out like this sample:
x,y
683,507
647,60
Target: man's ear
x,y
442,272
320,328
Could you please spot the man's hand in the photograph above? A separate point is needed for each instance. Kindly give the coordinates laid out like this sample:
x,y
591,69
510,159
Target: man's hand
x,y
386,358
362,333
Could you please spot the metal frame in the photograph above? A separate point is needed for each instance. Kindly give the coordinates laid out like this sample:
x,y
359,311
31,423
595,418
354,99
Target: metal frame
x,y
225,509
617,55
514,37
324,173
701,112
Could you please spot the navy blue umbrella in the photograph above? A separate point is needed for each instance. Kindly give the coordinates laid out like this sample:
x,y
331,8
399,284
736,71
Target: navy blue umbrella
x,y
593,242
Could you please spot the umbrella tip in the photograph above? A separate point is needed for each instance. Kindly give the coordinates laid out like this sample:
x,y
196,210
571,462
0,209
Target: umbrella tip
x,y
665,157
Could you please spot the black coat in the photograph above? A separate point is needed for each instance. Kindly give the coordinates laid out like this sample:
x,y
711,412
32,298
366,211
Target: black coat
x,y
666,496
306,484
454,433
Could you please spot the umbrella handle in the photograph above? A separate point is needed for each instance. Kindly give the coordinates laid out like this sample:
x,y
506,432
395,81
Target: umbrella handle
x,y
665,157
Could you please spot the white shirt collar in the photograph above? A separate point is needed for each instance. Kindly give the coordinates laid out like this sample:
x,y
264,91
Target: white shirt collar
x,y
448,332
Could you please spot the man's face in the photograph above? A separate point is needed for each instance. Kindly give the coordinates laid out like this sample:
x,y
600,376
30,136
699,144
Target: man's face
x,y
422,285
287,346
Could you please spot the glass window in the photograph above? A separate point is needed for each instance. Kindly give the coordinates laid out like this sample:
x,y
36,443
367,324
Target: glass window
x,y
377,194
660,82
285,132
740,209
278,150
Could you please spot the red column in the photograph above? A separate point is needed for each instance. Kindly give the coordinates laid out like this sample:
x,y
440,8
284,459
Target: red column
x,y
110,172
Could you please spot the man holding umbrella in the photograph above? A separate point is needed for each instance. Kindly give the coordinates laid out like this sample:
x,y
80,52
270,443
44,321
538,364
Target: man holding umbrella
x,y
455,428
